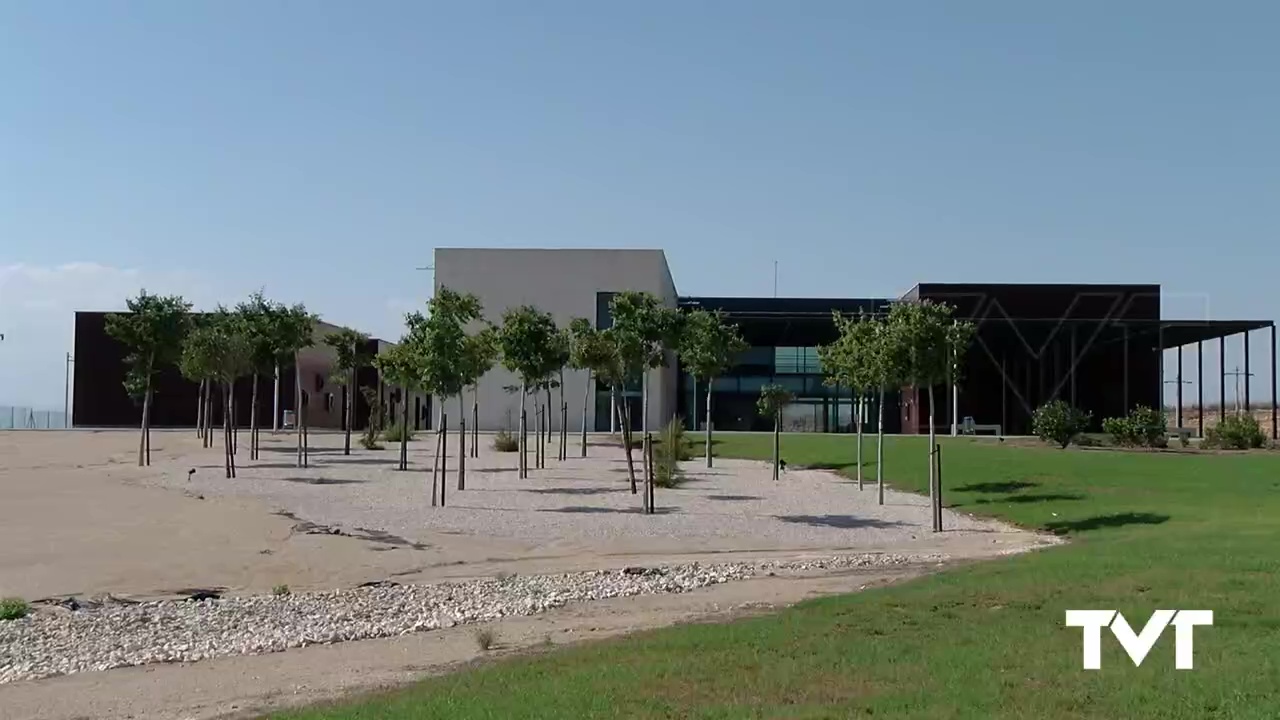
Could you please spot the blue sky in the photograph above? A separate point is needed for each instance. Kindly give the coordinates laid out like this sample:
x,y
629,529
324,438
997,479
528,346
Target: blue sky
x,y
322,149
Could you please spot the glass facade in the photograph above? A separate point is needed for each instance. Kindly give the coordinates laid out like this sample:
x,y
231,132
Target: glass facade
x,y
817,407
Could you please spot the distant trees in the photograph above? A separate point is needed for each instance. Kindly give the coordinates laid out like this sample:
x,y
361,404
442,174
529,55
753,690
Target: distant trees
x,y
854,361
644,331
153,331
445,357
351,351
292,330
708,347
399,365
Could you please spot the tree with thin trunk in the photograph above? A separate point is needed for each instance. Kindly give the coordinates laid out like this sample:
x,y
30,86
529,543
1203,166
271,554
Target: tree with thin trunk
x,y
295,330
351,349
480,354
850,362
401,365
708,347
524,338
927,338
589,350
773,399
445,370
645,331
260,318
219,350
153,331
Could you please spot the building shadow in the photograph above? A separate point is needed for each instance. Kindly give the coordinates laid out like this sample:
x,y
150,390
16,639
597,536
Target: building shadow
x,y
1098,522
844,522
997,487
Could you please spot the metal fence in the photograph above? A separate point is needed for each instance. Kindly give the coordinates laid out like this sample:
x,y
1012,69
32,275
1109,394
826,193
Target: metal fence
x,y
26,418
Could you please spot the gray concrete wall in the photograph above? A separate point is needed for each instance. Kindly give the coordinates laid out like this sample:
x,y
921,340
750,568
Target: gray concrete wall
x,y
564,283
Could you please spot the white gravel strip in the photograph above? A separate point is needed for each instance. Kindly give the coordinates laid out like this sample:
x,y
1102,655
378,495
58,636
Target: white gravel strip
x,y
50,643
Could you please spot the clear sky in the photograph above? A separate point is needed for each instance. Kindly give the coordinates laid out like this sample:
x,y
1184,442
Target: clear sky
x,y
322,149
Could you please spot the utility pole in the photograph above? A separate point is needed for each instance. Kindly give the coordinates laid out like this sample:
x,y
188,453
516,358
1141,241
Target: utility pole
x,y
1237,374
66,394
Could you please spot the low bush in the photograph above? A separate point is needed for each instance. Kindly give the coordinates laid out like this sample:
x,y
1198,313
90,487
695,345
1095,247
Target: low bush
x,y
1059,423
485,638
504,441
12,608
394,433
280,590
1238,432
1143,427
369,440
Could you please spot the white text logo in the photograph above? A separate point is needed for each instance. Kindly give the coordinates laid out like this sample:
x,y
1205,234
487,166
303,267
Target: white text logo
x,y
1138,644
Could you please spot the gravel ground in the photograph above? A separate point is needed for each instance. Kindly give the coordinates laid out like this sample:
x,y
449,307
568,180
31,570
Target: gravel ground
x,y
57,641
585,502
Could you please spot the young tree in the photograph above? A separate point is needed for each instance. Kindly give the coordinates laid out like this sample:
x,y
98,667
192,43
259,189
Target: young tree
x,y
479,356
709,347
222,349
850,362
294,330
401,365
445,368
589,350
261,320
352,350
153,330
524,338
561,352
773,398
930,342
644,330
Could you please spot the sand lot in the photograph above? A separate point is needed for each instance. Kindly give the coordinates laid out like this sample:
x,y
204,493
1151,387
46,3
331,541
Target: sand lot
x,y
80,518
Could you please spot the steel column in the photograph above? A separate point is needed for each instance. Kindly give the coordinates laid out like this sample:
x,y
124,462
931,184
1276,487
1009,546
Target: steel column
x,y
1222,378
1247,409
1200,386
1179,386
1274,426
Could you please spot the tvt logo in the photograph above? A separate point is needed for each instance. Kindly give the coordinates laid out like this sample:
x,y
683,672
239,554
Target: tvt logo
x,y
1138,644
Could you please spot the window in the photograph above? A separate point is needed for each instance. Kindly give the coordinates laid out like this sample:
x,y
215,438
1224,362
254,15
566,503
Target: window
x,y
796,360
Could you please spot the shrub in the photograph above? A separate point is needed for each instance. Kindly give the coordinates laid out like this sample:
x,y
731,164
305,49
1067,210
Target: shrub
x,y
668,450
13,608
369,440
1143,427
280,590
1060,423
1238,432
393,433
504,441
485,638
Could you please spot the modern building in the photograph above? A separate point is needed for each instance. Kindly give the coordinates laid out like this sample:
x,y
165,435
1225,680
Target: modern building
x,y
1101,347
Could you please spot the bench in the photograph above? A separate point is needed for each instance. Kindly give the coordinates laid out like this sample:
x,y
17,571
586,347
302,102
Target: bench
x,y
969,427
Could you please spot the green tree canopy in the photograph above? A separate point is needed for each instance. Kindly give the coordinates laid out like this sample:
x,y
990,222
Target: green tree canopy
x,y
709,345
153,330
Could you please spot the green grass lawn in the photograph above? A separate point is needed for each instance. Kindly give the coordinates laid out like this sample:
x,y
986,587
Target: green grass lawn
x,y
1149,531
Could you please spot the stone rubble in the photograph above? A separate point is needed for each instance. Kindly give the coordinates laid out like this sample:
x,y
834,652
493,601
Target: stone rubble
x,y
60,641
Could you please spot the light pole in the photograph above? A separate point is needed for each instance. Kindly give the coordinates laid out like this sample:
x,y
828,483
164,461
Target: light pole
x,y
66,394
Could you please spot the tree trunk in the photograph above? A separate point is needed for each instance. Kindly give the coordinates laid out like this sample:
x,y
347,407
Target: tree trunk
x,y
442,447
253,419
644,415
777,442
275,402
404,427
932,442
586,400
350,411
858,406
206,414
523,470
297,403
231,395
537,438
200,410
142,437
709,382
546,418
564,417
226,430
462,443
624,419
444,453
475,421
613,409
151,397
880,447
